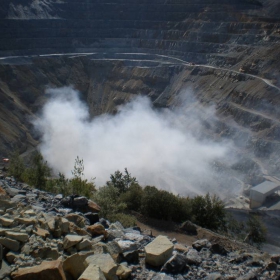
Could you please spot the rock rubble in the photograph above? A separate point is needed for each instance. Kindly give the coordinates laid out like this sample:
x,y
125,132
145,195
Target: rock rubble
x,y
43,238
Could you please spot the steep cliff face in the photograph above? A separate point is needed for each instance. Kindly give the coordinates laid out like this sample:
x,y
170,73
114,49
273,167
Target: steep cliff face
x,y
227,54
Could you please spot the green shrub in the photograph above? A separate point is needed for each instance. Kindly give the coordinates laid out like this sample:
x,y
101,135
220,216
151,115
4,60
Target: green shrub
x,y
256,231
208,211
124,219
108,199
16,166
38,173
133,197
121,181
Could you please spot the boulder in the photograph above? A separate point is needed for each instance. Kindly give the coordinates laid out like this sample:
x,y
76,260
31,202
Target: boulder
x,y
158,251
78,220
84,245
193,257
175,265
26,221
6,203
45,271
74,265
92,218
5,270
42,232
123,272
71,240
131,257
96,230
45,253
218,249
106,264
6,222
9,243
19,236
93,207
202,243
189,228
93,272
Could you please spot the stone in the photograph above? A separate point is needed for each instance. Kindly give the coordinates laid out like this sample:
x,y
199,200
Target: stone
x,y
131,257
30,212
74,265
63,224
127,245
51,224
26,221
92,218
214,276
84,245
92,272
271,266
189,228
218,249
6,203
71,240
45,253
114,250
117,226
248,276
113,234
175,265
80,201
96,230
42,232
202,243
158,251
193,257
22,237
6,222
9,243
93,207
78,220
123,272
12,256
162,276
47,270
5,270
106,264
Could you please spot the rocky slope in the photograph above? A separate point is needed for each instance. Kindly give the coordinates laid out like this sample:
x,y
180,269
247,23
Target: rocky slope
x,y
49,237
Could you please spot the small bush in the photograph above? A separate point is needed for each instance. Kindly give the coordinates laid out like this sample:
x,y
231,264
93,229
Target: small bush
x,y
208,211
124,219
108,199
16,166
133,197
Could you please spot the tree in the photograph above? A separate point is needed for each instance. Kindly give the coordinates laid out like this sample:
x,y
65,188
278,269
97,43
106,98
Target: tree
x,y
256,231
121,181
16,165
38,173
208,211
79,185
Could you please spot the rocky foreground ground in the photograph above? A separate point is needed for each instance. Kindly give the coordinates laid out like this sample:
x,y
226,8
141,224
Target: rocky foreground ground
x,y
49,237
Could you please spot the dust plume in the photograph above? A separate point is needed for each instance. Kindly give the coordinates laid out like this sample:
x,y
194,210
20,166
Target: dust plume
x,y
164,148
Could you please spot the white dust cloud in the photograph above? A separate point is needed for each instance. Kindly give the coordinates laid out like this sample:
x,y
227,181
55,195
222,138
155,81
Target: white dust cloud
x,y
159,148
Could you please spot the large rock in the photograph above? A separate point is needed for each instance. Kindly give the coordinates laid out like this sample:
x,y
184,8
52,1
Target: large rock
x,y
76,219
123,272
96,230
10,243
74,265
106,264
158,251
71,240
19,236
176,264
93,272
6,222
46,271
193,257
93,207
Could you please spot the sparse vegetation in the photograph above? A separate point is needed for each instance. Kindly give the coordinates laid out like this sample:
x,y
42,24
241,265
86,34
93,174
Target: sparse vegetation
x,y
123,194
